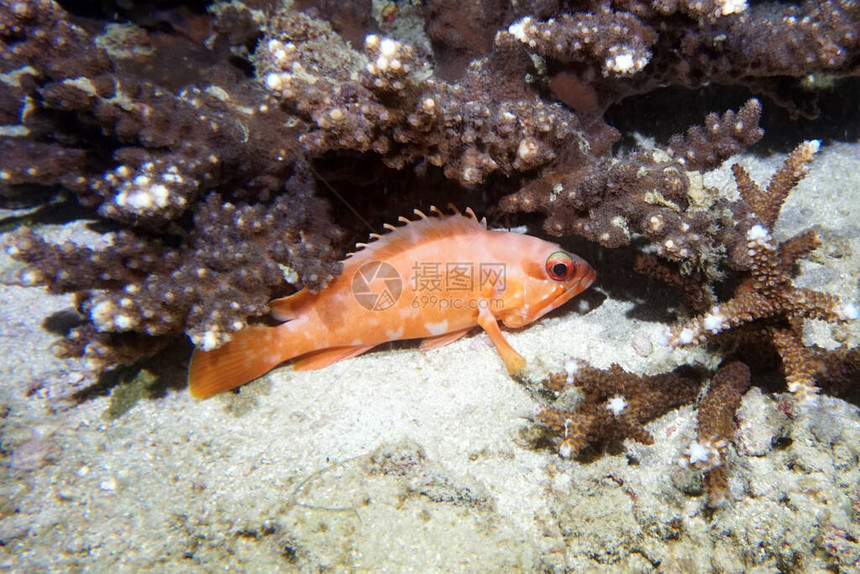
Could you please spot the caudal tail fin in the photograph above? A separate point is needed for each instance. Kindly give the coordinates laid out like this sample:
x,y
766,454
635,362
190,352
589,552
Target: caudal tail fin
x,y
251,353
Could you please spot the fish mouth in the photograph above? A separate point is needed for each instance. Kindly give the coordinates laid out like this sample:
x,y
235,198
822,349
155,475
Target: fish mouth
x,y
578,287
587,279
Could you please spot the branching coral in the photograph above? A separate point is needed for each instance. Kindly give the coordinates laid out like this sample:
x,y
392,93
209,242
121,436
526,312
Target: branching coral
x,y
147,146
694,286
651,193
768,300
703,148
582,37
139,292
631,46
837,370
385,100
710,9
144,150
716,429
616,405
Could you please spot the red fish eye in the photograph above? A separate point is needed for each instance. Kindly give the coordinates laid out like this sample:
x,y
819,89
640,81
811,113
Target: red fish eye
x,y
559,266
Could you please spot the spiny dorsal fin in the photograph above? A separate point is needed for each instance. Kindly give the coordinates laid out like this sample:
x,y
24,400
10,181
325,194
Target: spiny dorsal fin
x,y
415,232
382,246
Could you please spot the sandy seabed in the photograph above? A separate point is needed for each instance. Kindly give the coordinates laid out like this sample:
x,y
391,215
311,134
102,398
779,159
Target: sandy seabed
x,y
402,460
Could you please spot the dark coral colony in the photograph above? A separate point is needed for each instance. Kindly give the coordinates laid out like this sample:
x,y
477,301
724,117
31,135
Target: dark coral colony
x,y
221,147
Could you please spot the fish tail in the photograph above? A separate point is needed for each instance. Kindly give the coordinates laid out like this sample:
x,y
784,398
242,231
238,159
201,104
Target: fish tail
x,y
252,352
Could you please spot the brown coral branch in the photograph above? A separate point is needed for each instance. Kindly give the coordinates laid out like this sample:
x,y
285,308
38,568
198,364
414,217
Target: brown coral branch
x,y
637,45
647,192
716,429
838,370
795,248
697,293
385,100
705,148
618,40
767,205
616,404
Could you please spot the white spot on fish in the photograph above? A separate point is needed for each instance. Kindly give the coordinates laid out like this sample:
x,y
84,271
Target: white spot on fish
x,y
437,328
356,343
393,335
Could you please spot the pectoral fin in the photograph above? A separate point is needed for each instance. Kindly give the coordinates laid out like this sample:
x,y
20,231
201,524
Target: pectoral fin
x,y
324,358
440,340
287,308
513,360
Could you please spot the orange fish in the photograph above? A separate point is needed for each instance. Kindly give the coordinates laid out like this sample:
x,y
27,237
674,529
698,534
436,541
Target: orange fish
x,y
433,279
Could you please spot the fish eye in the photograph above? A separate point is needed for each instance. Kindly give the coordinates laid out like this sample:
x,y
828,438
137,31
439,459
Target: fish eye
x,y
560,266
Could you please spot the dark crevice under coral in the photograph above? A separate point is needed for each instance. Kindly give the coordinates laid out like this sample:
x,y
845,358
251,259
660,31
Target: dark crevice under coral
x,y
838,120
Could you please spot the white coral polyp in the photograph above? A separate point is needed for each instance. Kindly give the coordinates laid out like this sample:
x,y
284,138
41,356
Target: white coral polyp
x,y
528,149
713,321
565,450
624,60
847,312
703,455
124,322
389,48
518,29
107,316
758,233
686,337
616,405
211,339
102,313
570,368
732,7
